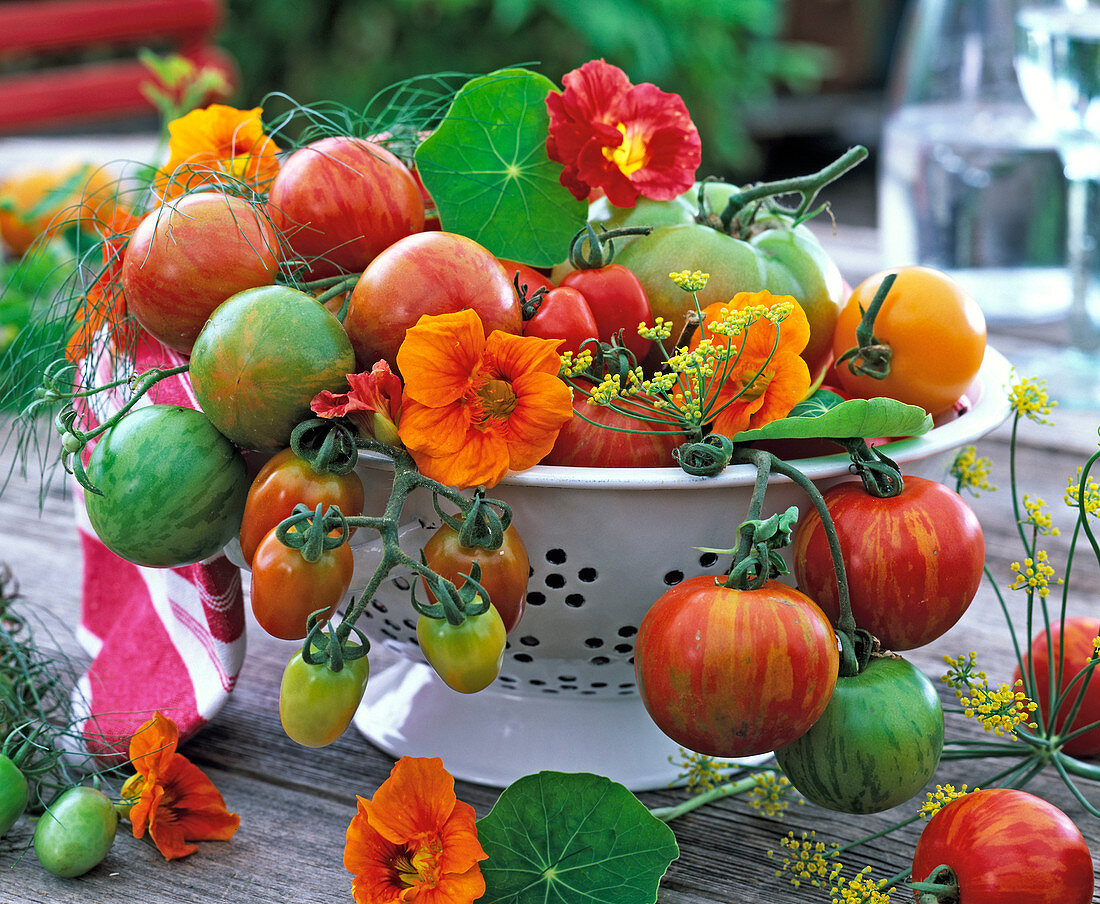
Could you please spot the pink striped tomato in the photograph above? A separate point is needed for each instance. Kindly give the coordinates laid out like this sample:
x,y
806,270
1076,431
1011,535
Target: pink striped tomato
x,y
339,201
1072,644
187,257
1004,846
913,561
728,672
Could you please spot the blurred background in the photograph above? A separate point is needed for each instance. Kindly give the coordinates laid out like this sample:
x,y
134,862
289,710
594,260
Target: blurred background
x,y
776,87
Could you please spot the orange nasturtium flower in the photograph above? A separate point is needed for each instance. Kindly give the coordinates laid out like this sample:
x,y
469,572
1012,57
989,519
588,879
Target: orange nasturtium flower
x,y
475,407
769,377
629,140
414,842
209,143
103,304
170,796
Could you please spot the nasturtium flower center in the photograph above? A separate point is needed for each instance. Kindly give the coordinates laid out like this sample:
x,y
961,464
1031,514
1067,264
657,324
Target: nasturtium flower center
x,y
755,385
629,156
498,399
416,869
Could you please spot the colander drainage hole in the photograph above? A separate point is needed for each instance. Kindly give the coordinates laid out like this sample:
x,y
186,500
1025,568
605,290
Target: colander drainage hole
x,y
673,577
555,580
574,600
534,598
555,556
708,559
588,575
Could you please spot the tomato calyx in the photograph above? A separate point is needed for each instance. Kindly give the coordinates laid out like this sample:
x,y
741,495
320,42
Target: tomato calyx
x,y
455,604
328,445
879,473
312,532
332,649
481,523
599,256
870,357
941,887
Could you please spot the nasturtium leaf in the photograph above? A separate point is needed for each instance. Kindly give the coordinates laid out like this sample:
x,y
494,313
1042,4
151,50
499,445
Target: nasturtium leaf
x,y
572,838
860,418
486,169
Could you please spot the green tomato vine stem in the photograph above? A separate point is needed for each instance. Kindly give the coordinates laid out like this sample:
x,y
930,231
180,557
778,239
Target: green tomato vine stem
x,y
807,186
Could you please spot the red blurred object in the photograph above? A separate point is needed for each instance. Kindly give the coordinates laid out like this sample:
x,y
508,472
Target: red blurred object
x,y
55,96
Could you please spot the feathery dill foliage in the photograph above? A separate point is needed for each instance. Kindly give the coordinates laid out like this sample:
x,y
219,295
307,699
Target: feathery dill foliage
x,y
36,716
394,117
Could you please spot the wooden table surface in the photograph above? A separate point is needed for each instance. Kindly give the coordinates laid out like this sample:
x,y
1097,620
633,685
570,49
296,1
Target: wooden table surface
x,y
295,804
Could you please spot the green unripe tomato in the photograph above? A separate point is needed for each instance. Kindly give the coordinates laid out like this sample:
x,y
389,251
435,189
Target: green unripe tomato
x,y
783,260
13,793
76,832
468,657
875,746
316,704
172,488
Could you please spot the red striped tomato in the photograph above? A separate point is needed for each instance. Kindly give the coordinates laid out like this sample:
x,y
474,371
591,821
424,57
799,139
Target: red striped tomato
x,y
913,561
728,672
1072,645
1006,846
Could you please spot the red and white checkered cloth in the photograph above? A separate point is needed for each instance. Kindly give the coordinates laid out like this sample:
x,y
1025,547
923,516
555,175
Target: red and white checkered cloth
x,y
167,639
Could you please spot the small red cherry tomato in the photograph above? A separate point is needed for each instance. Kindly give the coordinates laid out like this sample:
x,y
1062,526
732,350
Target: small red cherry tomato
x,y
563,313
617,301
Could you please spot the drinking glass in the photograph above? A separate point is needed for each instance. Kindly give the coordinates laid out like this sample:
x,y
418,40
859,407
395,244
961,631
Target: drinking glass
x,y
1058,67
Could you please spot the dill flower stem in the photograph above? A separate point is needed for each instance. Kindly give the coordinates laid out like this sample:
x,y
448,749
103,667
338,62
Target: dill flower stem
x,y
667,814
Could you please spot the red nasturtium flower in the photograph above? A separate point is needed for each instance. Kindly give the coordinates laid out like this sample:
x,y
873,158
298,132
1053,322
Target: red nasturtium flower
x,y
626,139
209,143
172,797
414,842
476,407
372,403
103,304
760,390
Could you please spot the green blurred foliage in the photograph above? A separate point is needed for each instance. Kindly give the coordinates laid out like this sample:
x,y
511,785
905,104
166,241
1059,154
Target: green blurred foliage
x,y
721,56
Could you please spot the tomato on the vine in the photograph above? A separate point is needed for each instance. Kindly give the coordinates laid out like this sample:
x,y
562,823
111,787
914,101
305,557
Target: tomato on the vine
x,y
286,588
876,744
468,656
913,561
935,331
316,704
1073,643
728,672
504,571
1005,846
285,481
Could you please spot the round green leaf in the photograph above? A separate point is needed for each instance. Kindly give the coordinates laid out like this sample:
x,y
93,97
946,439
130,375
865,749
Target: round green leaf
x,y
486,169
572,838
855,418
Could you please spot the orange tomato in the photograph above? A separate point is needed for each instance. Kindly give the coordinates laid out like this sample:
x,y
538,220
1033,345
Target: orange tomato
x,y
936,333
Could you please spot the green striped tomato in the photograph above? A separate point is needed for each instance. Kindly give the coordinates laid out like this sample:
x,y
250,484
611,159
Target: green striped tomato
x,y
76,832
1006,846
173,488
913,561
13,793
877,743
262,357
728,672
